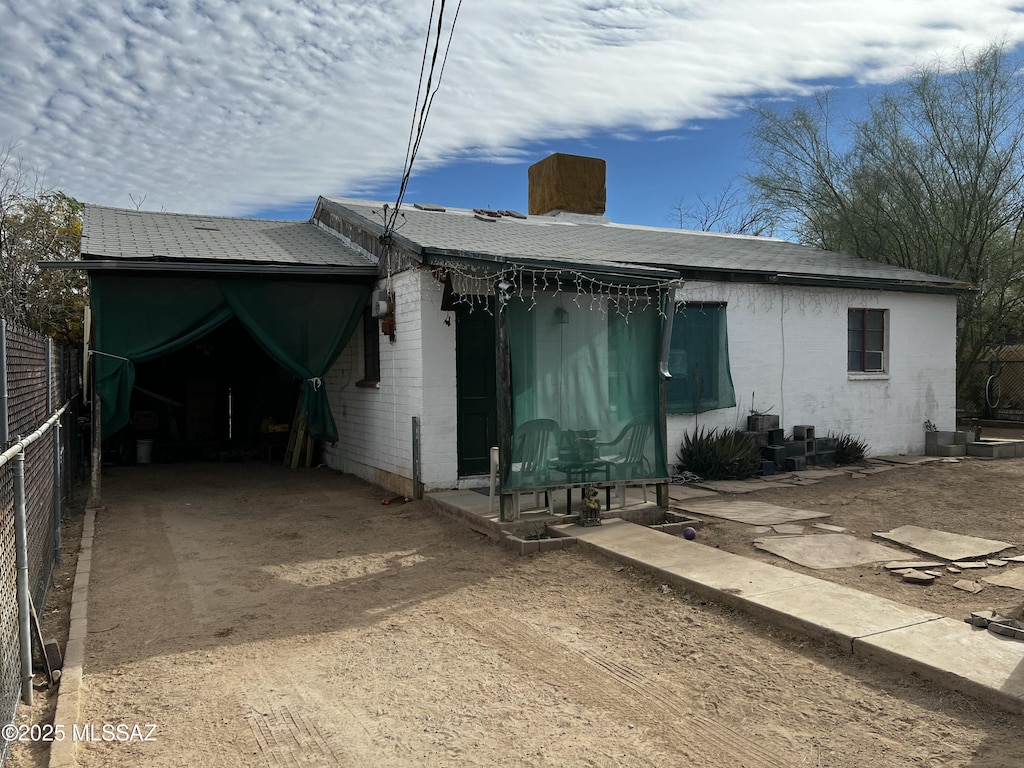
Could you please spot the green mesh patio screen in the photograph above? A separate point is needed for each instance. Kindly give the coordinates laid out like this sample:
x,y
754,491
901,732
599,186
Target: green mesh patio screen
x,y
302,324
585,394
699,361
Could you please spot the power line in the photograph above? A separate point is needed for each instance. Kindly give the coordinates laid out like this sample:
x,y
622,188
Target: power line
x,y
421,109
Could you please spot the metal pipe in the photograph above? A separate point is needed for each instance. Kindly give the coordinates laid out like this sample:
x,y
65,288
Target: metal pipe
x,y
416,456
5,434
20,444
666,334
49,374
96,464
57,500
21,548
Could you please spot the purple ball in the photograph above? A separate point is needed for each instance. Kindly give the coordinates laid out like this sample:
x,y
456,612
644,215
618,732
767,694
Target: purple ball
x,y
689,533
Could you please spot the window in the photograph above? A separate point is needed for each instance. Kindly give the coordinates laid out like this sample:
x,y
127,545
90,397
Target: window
x,y
371,351
699,360
866,347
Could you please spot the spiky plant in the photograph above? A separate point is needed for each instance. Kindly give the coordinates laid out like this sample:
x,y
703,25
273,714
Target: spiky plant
x,y
726,454
849,449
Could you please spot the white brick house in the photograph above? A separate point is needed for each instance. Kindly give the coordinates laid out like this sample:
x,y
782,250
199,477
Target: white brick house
x,y
817,338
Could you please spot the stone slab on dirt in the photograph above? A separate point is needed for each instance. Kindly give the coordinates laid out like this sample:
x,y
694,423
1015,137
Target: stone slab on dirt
x,y
826,550
950,546
1012,578
751,512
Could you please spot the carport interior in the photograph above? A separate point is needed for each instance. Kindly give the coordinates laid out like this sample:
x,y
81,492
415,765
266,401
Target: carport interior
x,y
220,397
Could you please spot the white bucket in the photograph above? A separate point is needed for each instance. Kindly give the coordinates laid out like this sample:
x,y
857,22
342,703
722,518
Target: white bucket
x,y
144,451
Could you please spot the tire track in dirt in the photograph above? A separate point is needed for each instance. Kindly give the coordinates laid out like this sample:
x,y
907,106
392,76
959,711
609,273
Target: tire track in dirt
x,y
597,681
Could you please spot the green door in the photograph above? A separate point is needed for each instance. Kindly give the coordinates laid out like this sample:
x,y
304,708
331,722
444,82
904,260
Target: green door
x,y
476,389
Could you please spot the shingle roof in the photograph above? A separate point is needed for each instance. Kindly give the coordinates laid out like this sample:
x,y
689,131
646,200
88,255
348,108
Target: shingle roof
x,y
132,236
596,241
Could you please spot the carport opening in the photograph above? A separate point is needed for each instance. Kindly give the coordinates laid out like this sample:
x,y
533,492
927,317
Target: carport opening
x,y
221,398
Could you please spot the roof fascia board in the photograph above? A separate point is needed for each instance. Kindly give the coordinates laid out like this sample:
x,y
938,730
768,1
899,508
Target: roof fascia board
x,y
219,267
368,226
626,272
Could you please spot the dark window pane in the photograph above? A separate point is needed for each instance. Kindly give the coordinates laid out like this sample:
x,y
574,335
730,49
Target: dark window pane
x,y
856,319
874,340
854,362
874,361
875,319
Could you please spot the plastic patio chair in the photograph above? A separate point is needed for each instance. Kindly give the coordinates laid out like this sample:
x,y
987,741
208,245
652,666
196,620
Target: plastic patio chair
x,y
531,455
625,454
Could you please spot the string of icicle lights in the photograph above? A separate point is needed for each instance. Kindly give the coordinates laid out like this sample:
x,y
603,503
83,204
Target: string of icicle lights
x,y
473,287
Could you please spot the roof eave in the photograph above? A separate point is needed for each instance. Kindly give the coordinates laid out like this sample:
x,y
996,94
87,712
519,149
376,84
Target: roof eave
x,y
222,267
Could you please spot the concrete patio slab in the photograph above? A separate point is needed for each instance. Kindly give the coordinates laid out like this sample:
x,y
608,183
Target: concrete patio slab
x,y
955,655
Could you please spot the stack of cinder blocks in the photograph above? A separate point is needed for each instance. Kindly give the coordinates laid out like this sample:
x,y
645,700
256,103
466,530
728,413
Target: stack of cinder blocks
x,y
804,450
946,443
968,444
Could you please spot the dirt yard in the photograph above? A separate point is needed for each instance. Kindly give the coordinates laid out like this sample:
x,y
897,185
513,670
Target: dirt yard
x,y
262,616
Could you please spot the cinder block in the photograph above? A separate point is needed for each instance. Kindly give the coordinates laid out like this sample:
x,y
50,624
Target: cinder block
x,y
760,439
775,454
796,448
811,459
776,436
826,457
803,432
992,449
762,422
767,467
796,463
823,444
948,450
962,438
939,438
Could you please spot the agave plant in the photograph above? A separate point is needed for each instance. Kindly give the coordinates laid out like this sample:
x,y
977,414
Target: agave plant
x,y
849,449
726,454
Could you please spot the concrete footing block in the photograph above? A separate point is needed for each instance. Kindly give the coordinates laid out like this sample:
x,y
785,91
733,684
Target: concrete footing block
x,y
992,449
949,450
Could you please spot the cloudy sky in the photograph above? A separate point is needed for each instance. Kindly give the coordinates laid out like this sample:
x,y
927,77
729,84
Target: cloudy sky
x,y
254,107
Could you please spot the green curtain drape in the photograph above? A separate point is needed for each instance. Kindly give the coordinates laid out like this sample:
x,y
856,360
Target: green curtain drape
x,y
699,360
585,393
302,324
137,321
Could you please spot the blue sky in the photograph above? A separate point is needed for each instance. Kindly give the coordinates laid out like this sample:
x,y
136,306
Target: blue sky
x,y
255,107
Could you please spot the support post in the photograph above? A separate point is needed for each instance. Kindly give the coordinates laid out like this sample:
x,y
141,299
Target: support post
x,y
57,493
5,434
504,381
21,562
416,494
96,464
49,376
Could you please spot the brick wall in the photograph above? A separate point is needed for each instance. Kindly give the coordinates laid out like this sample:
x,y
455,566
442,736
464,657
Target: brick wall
x,y
788,349
417,378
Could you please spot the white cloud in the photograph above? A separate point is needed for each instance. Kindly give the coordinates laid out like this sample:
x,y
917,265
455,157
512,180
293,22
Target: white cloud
x,y
223,107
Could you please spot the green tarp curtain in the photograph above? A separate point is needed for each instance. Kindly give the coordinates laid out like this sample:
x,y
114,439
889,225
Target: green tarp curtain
x,y
699,360
585,393
303,325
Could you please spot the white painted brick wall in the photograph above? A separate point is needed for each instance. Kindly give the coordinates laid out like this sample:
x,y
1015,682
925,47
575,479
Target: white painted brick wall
x,y
787,349
417,379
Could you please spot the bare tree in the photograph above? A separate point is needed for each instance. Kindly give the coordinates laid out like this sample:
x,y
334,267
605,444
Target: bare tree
x,y
731,210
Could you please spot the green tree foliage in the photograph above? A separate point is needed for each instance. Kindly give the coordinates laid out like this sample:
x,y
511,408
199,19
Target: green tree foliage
x,y
931,179
39,224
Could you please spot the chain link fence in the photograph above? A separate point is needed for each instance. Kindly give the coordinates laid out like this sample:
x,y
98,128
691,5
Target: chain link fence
x,y
993,387
37,380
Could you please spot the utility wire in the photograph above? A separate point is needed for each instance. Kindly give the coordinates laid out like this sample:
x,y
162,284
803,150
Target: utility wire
x,y
421,109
